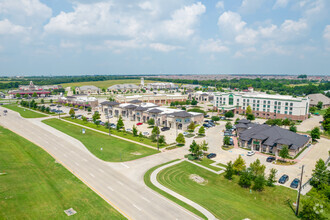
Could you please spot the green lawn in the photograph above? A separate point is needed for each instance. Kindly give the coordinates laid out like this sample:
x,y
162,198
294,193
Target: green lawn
x,y
25,113
206,163
226,199
35,187
174,199
115,132
321,112
105,84
114,149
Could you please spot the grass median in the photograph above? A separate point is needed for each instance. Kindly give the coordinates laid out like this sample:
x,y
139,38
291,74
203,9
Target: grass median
x,y
123,134
33,186
226,199
25,113
113,149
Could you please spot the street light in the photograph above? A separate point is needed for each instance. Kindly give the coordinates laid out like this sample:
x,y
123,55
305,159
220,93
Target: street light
x,y
108,122
298,199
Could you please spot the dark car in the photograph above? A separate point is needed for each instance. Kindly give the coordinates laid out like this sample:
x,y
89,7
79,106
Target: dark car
x,y
206,116
165,129
283,179
52,105
206,121
231,141
270,159
211,155
211,123
207,125
295,183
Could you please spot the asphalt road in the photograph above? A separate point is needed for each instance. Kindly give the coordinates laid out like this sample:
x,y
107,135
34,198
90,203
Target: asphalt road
x,y
132,199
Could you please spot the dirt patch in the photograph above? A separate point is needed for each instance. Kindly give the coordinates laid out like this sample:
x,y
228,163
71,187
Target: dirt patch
x,y
198,179
136,153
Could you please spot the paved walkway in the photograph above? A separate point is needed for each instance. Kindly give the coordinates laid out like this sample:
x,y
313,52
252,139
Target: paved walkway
x,y
154,181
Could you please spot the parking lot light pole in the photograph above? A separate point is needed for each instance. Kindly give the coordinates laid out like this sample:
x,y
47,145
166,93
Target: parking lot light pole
x,y
298,199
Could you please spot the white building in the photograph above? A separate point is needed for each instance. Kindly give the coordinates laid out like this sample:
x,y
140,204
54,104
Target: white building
x,y
263,105
161,86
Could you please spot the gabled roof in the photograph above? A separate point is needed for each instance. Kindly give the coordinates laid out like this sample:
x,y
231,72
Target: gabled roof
x,y
155,110
108,103
91,87
130,106
135,101
182,114
315,98
244,121
140,108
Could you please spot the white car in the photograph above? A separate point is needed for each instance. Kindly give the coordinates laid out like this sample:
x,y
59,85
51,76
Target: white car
x,y
145,133
250,153
129,129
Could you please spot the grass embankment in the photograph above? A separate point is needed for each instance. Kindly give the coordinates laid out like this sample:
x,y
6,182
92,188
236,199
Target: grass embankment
x,y
35,187
25,113
105,84
123,134
113,149
207,163
170,197
226,199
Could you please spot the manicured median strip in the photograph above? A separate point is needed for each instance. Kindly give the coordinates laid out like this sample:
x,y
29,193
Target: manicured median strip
x,y
34,186
170,197
115,132
25,113
226,199
105,147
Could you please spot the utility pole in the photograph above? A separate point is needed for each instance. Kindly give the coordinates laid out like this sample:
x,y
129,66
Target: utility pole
x,y
298,199
158,142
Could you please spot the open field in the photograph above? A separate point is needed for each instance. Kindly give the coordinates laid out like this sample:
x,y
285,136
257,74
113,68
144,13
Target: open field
x,y
113,149
170,197
115,132
35,187
25,113
105,84
226,199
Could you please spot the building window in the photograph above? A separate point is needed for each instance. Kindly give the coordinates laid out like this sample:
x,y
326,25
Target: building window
x,y
279,103
268,102
286,112
264,110
254,109
268,110
275,107
237,101
290,109
243,100
275,102
254,105
243,108
248,100
286,108
231,99
291,104
278,111
268,106
258,101
257,105
264,106
290,113
286,103
254,101
264,102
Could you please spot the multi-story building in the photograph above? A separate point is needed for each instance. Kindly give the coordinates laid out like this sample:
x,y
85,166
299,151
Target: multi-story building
x,y
166,117
88,90
79,100
263,105
123,88
159,99
201,96
161,86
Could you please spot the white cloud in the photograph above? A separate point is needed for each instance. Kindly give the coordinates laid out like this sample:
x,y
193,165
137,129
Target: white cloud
x,y
212,45
250,6
8,28
69,44
231,21
164,47
280,4
239,54
326,33
220,5
183,20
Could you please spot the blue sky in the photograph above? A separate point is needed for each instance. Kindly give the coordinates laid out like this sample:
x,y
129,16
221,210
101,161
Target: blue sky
x,y
41,37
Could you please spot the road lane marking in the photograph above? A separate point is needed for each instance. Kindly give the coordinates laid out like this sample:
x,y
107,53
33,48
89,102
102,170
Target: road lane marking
x,y
120,182
145,199
102,171
137,207
110,188
124,165
91,174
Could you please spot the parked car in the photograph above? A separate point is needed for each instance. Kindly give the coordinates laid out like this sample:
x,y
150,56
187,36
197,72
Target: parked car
x,y
206,116
129,129
295,183
140,123
212,124
165,129
227,134
185,133
52,105
207,125
270,159
211,155
145,133
223,118
283,179
231,141
206,121
250,153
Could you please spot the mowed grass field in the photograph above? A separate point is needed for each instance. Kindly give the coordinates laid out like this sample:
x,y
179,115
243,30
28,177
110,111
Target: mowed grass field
x,y
25,113
35,187
113,149
105,84
226,199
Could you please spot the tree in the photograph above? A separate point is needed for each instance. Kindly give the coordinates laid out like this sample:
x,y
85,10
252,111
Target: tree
x,y
286,122
201,130
161,139
89,109
229,114
293,128
34,95
97,122
191,126
96,116
245,179
236,121
120,123
228,125
194,102
51,100
320,176
18,95
229,171
72,113
26,96
272,177
239,165
194,148
180,139
248,110
313,205
155,130
84,119
259,182
312,109
135,131
226,140
284,152
42,101
315,133
257,169
319,105
215,118
141,135
151,122
204,146
250,117
326,120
